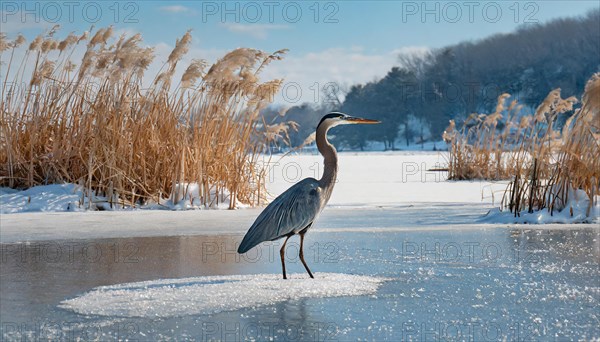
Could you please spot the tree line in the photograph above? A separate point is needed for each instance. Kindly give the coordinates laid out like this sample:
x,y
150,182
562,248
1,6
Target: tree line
x,y
417,98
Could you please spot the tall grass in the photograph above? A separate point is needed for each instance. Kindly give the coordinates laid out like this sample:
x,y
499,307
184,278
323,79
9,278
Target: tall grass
x,y
546,165
96,125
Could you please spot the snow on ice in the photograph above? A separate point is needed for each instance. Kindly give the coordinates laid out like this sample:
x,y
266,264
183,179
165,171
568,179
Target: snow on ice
x,y
213,294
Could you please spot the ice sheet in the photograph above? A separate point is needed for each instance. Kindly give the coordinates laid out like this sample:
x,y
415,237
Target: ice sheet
x,y
209,295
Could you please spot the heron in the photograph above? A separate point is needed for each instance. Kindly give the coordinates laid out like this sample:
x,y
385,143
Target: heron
x,y
294,211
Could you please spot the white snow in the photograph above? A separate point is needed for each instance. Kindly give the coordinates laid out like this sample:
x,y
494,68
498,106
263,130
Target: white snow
x,y
72,197
54,197
213,294
575,211
369,179
365,179
375,180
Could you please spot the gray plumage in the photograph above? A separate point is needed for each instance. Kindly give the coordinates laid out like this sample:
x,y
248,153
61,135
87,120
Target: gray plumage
x,y
295,210
291,212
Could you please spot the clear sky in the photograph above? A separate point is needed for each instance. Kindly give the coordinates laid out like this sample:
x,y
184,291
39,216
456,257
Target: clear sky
x,y
342,41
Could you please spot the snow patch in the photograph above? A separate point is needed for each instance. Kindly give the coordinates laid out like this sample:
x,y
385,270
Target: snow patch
x,y
73,197
575,211
209,295
54,197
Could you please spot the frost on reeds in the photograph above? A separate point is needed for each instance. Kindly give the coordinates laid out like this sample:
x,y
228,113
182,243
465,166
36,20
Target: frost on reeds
x,y
546,165
94,124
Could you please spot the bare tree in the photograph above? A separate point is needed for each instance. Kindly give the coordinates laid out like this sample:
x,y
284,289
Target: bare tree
x,y
333,95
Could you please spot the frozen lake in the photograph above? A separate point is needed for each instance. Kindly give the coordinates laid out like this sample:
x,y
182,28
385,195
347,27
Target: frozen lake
x,y
381,273
399,254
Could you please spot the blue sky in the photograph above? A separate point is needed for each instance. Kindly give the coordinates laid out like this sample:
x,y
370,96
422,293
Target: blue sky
x,y
341,41
375,25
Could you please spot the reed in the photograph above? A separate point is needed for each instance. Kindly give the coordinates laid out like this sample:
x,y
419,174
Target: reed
x,y
95,124
546,165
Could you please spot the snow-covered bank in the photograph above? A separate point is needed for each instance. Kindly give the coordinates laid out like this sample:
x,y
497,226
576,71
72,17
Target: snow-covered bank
x,y
578,209
47,198
72,197
365,179
392,187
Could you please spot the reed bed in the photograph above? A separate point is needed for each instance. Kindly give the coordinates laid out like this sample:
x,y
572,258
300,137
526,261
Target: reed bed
x,y
547,165
95,124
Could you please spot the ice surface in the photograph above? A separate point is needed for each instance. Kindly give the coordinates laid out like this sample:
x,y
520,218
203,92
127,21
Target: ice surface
x,y
209,295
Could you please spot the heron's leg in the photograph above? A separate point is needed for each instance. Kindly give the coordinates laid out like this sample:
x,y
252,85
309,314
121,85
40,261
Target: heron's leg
x,y
282,254
302,254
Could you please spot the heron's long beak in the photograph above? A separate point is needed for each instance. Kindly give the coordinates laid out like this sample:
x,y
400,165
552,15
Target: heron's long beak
x,y
355,120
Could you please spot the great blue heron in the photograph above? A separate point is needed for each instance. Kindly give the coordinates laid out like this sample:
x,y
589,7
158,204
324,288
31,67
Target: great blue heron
x,y
294,211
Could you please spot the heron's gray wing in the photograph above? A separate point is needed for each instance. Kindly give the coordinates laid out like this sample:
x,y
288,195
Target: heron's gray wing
x,y
290,212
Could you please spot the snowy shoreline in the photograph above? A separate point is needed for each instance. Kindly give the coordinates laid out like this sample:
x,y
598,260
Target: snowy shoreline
x,y
392,185
366,179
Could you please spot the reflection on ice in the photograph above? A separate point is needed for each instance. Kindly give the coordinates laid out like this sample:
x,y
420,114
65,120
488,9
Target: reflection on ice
x,y
207,295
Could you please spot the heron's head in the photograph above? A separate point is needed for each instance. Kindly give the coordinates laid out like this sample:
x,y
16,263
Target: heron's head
x,y
336,118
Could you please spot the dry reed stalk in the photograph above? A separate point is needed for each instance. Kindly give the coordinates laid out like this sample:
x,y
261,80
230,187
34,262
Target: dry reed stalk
x,y
545,164
93,125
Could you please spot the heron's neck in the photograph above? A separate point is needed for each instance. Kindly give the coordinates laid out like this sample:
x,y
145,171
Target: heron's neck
x,y
329,153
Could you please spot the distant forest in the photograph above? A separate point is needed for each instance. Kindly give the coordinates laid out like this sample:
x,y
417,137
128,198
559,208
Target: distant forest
x,y
416,99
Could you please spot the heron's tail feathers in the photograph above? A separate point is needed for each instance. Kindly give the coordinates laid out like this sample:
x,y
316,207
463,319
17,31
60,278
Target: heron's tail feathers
x,y
246,245
251,239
